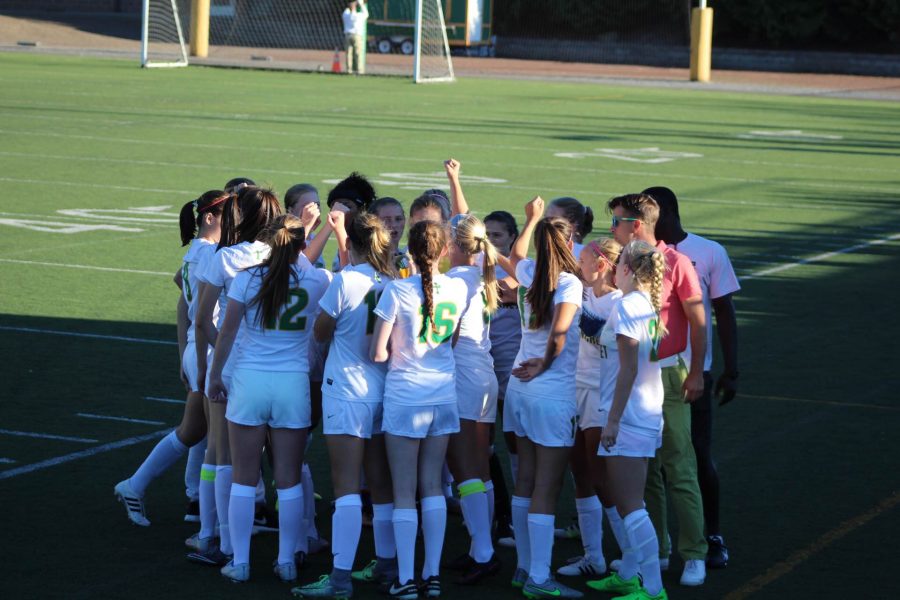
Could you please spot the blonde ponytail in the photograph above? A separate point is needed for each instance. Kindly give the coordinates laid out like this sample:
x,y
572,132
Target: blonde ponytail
x,y
470,236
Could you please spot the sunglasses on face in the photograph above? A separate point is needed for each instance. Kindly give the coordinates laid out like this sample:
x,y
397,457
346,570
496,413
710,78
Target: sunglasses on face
x,y
617,220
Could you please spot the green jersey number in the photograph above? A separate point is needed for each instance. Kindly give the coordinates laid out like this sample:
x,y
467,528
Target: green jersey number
x,y
186,282
290,319
371,300
443,324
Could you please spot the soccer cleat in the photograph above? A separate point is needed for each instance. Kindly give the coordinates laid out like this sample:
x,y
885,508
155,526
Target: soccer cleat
x,y
195,543
134,504
549,589
463,562
192,512
663,564
694,573
519,578
717,556
479,571
643,594
264,519
573,531
236,573
582,565
323,588
406,591
286,572
366,574
615,584
212,557
431,587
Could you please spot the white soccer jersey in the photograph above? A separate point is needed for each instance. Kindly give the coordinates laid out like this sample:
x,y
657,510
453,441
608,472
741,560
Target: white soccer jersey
x,y
225,264
281,344
421,368
557,381
635,318
594,314
198,252
351,300
716,277
473,349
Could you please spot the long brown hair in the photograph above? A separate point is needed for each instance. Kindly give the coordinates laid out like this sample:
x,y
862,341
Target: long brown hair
x,y
210,202
371,240
426,241
470,236
247,214
551,242
287,238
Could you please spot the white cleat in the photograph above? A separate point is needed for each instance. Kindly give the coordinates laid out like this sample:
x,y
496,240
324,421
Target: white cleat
x,y
286,572
694,573
236,573
134,504
582,565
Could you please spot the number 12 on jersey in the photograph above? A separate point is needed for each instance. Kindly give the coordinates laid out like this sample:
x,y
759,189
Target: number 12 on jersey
x,y
291,319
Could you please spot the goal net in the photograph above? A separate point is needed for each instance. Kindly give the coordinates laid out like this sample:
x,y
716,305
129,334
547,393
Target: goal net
x,y
404,36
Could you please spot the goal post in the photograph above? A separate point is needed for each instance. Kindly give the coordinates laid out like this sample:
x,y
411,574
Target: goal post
x,y
162,37
432,62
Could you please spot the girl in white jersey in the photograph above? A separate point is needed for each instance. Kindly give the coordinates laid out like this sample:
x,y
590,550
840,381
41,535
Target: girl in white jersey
x,y
476,392
540,399
633,425
390,211
597,261
244,218
353,392
271,306
579,216
192,429
418,317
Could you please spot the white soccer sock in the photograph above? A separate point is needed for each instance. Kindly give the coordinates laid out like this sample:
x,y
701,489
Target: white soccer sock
x,y
192,470
616,525
290,518
207,492
489,490
540,530
260,489
406,522
474,504
434,525
590,521
514,466
223,499
383,531
163,456
346,526
309,503
642,537
240,521
520,507
630,564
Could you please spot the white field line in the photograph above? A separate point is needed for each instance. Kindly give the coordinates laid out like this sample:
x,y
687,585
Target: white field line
x,y
76,219
300,133
88,267
96,336
102,186
58,460
47,436
820,257
319,152
120,419
164,400
7,461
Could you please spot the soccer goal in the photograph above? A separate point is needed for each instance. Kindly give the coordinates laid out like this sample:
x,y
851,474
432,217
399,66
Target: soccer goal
x,y
162,36
432,62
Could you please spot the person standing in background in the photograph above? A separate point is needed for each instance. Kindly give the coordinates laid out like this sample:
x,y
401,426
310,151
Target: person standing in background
x,y
354,35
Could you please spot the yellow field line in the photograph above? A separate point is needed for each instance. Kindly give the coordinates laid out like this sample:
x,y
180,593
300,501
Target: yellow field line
x,y
786,566
829,402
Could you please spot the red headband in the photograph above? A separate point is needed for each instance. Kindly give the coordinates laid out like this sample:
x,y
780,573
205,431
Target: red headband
x,y
595,248
214,203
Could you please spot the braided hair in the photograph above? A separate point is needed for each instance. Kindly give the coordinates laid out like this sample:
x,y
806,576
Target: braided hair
x,y
427,240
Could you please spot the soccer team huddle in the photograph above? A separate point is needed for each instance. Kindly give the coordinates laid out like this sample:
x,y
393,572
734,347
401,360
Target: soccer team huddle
x,y
591,356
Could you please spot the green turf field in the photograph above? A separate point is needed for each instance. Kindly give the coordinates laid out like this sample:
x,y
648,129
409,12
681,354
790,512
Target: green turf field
x,y
97,156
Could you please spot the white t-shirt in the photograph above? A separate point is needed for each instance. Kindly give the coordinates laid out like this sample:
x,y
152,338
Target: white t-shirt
x,y
198,253
557,382
351,300
594,314
280,345
421,370
716,277
633,316
506,331
473,349
355,21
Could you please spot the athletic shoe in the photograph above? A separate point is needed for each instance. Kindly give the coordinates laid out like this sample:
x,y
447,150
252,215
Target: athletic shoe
x,y
236,573
519,578
717,556
286,572
643,594
192,512
196,543
549,589
316,545
264,519
506,535
323,588
582,565
615,584
372,574
463,562
663,564
134,504
431,587
694,573
212,557
479,571
407,591
573,531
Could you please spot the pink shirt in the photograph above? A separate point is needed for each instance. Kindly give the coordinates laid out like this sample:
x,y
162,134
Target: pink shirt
x,y
680,283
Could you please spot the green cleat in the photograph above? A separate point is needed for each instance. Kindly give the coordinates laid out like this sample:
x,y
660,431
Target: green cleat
x,y
367,574
548,589
323,588
616,585
519,578
643,594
